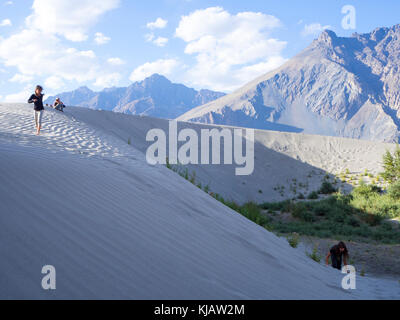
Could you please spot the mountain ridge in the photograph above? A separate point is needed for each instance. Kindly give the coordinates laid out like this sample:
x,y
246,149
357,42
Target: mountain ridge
x,y
154,96
338,86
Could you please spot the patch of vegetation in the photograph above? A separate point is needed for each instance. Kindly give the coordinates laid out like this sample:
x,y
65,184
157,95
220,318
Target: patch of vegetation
x,y
394,191
315,255
313,196
294,240
359,215
301,196
251,211
327,188
391,166
353,216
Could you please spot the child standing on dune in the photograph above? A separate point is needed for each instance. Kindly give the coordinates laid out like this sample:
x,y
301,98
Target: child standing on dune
x,y
37,100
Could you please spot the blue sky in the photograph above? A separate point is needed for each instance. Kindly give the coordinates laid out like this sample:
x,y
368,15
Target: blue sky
x,y
219,45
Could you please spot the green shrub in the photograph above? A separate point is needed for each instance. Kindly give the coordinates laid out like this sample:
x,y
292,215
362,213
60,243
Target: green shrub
x,y
391,166
192,178
315,255
252,212
322,209
394,191
327,188
276,206
313,196
301,212
366,191
353,221
294,240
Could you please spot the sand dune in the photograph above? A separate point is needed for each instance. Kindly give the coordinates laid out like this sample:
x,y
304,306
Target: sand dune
x,y
280,158
80,198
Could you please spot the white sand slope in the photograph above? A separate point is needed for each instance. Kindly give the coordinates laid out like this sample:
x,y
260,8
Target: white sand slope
x,y
281,159
86,202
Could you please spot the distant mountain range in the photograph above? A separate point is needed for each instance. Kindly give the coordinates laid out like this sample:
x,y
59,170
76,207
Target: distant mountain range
x,y
347,87
155,96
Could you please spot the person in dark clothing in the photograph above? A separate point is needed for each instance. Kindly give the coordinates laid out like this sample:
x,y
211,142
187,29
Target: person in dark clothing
x,y
59,105
37,100
338,253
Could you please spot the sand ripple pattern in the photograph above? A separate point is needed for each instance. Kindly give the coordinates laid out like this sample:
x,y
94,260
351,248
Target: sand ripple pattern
x,y
61,132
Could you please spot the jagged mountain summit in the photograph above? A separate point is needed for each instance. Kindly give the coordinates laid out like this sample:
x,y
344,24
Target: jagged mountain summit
x,y
155,96
347,87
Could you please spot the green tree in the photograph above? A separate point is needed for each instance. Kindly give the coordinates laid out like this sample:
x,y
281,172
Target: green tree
x,y
391,166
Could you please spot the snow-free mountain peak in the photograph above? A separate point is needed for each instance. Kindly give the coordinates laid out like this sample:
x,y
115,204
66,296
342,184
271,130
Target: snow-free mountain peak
x,y
155,96
339,86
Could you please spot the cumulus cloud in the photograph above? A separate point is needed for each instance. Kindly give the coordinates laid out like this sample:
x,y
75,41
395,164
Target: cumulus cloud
x,y
54,82
21,78
100,38
115,61
314,29
229,49
163,66
158,24
21,96
69,18
159,41
5,23
51,57
108,80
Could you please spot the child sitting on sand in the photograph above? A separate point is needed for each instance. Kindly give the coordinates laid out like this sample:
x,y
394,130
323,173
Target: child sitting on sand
x,y
58,105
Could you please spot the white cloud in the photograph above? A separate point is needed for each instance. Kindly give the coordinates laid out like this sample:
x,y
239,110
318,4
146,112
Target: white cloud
x,y
54,82
158,24
69,18
161,42
48,56
253,71
8,3
149,37
314,29
100,38
164,67
21,96
115,61
21,78
108,80
88,54
230,50
5,23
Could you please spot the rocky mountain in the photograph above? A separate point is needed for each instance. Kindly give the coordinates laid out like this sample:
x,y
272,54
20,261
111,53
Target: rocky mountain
x,y
155,96
338,86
